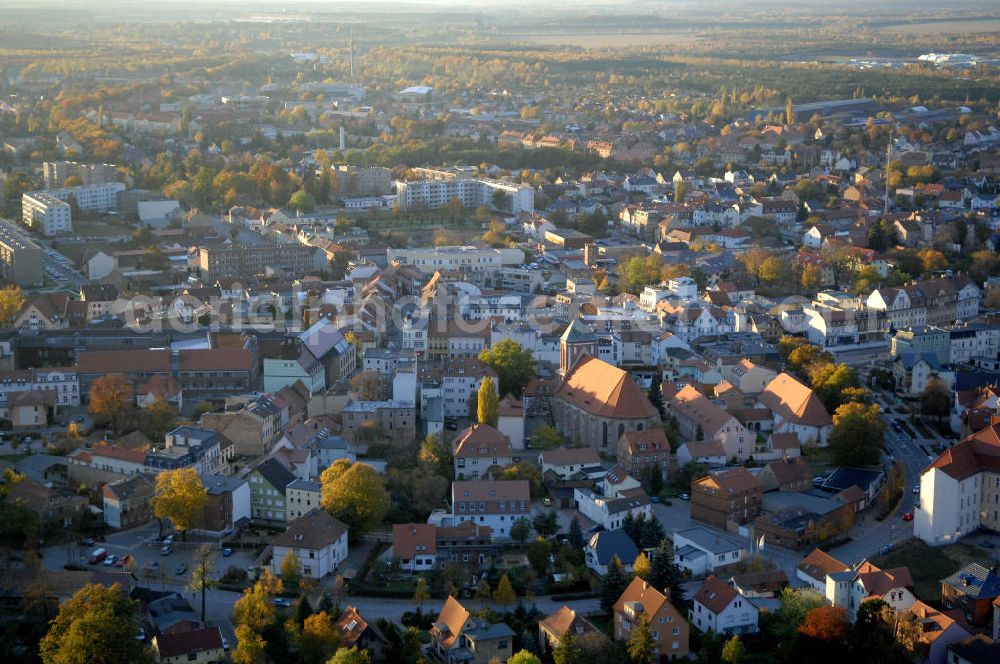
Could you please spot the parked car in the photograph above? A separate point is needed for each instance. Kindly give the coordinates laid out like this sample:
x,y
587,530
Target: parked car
x,y
169,539
916,490
181,569
685,496
282,602
908,516
89,541
227,552
166,550
110,560
225,644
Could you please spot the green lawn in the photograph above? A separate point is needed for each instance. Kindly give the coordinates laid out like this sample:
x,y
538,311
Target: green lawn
x,y
928,564
99,228
820,459
73,250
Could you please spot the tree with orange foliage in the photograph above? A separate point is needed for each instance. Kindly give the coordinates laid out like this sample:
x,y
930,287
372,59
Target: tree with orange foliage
x,y
826,623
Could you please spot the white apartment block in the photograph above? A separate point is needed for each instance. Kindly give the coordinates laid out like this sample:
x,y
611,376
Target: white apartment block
x,y
473,193
95,197
466,259
64,382
45,213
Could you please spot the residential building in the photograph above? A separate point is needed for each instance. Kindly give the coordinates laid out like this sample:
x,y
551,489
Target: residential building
x,y
128,502
596,403
56,173
797,409
317,539
392,419
202,645
205,450
936,630
494,503
960,490
228,506
639,450
702,551
356,632
302,497
605,546
976,649
866,581
55,510
483,264
517,199
699,419
972,590
792,474
480,451
20,256
718,607
565,463
46,214
727,497
459,638
254,428
101,197
555,626
268,483
414,545
610,512
641,601
232,260
814,568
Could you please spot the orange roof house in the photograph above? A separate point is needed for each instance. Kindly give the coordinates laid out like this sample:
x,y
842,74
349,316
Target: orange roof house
x,y
796,409
641,601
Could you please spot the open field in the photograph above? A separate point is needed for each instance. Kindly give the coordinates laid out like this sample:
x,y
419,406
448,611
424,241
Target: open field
x,y
957,26
604,39
928,564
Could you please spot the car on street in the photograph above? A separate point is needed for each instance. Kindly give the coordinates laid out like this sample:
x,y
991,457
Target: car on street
x,y
140,635
685,496
110,560
225,644
915,490
908,516
227,552
169,539
654,499
282,602
547,502
120,562
89,541
166,550
181,569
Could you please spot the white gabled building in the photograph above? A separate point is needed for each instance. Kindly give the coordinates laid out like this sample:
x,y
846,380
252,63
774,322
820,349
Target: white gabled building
x,y
720,608
318,540
960,490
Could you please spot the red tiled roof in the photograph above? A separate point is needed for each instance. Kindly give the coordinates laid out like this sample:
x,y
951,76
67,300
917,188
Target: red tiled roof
x,y
604,390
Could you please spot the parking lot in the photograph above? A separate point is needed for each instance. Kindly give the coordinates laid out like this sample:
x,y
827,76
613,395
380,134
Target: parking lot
x,y
145,557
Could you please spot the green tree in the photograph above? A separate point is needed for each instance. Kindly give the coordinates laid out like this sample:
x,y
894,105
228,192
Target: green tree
x,y
935,401
546,438
355,494
201,573
421,594
665,574
97,624
858,435
157,419
641,647
613,585
524,657
504,595
489,403
520,530
291,570
181,497
546,523
249,646
319,638
302,201
575,536
112,401
568,651
483,593
733,652
514,365
642,567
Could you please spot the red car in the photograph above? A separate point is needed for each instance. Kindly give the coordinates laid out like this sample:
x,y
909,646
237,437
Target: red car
x,y
908,516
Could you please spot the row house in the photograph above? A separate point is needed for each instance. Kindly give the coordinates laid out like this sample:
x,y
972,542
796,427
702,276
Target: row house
x,y
494,503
